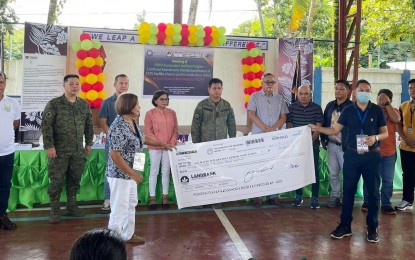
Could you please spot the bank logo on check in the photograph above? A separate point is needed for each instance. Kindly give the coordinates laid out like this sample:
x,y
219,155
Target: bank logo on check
x,y
184,180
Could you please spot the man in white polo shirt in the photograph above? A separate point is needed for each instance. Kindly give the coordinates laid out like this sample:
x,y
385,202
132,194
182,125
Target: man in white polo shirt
x,y
9,118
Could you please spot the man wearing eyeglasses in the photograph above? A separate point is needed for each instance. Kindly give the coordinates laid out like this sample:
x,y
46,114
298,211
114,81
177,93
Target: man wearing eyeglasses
x,y
268,112
107,115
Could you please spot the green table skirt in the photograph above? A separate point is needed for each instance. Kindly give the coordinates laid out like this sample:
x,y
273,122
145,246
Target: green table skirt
x,y
30,180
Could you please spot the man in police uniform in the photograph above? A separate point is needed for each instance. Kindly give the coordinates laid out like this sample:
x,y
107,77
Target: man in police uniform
x,y
213,118
66,120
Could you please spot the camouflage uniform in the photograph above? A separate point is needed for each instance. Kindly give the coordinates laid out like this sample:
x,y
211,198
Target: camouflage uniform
x,y
63,127
213,121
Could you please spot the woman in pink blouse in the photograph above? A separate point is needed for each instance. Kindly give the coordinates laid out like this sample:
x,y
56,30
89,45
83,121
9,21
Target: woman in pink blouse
x,y
160,124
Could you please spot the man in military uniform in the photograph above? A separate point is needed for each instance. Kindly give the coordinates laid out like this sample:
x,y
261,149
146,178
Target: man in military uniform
x,y
66,120
213,118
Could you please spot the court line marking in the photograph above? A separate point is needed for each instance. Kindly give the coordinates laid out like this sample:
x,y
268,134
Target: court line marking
x,y
243,250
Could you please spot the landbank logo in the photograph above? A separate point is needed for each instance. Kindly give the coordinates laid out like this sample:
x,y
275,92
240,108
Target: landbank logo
x,y
184,180
202,175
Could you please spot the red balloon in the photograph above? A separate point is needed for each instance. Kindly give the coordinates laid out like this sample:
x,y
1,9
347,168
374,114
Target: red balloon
x,y
208,30
85,36
251,90
95,70
250,45
250,76
162,27
94,53
243,61
259,59
161,36
83,71
85,87
97,103
98,86
246,104
90,104
259,74
250,61
184,42
244,75
207,40
82,54
185,26
259,89
185,32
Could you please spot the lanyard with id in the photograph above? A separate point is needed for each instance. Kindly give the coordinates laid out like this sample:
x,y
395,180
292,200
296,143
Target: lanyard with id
x,y
361,145
139,158
412,109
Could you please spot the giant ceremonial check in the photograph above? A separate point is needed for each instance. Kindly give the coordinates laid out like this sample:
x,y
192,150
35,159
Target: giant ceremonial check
x,y
243,167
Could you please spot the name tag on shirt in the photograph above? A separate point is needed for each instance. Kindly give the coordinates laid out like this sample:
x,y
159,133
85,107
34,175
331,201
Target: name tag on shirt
x,y
7,108
139,161
362,147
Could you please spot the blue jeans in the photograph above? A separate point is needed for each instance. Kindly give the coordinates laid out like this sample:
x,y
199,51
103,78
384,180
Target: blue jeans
x,y
315,187
368,166
107,191
6,173
387,171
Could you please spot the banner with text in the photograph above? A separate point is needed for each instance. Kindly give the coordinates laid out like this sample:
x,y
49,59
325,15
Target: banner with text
x,y
44,66
243,167
181,71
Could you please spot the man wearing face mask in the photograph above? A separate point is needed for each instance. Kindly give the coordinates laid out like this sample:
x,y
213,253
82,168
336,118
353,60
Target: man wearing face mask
x,y
367,126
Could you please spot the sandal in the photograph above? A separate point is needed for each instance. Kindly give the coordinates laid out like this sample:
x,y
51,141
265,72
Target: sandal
x,y
165,203
153,203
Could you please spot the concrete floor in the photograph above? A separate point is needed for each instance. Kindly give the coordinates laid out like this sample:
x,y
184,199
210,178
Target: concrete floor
x,y
238,231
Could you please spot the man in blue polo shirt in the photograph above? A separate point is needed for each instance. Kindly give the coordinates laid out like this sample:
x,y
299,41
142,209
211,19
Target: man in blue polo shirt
x,y
367,126
106,117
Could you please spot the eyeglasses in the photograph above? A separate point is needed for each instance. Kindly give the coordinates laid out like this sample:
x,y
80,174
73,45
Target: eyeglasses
x,y
164,99
270,83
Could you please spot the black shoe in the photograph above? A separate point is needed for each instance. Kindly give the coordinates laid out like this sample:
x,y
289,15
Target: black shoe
x,y
341,231
372,235
388,210
364,207
6,223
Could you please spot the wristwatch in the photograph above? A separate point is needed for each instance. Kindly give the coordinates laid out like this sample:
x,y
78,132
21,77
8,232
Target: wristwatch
x,y
377,138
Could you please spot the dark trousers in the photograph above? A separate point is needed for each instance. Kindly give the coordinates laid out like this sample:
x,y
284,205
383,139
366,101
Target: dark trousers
x,y
368,166
6,173
315,187
408,175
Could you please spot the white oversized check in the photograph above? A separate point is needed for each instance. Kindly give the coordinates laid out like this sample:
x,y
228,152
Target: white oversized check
x,y
243,167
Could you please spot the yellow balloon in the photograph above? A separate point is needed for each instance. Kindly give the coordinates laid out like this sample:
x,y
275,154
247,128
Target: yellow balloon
x,y
79,63
82,80
101,77
192,39
247,97
144,26
262,67
214,43
99,61
246,68
102,94
92,95
168,41
89,62
214,28
192,29
247,83
169,32
169,25
91,79
256,83
255,67
82,94
143,39
215,35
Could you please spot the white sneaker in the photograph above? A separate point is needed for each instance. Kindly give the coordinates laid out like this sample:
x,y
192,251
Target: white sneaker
x,y
106,206
404,205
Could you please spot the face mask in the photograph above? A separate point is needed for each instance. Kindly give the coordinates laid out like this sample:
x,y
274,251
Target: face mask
x,y
363,97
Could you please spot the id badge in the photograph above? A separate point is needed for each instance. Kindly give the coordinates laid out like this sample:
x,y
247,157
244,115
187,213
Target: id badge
x,y
139,161
362,147
410,130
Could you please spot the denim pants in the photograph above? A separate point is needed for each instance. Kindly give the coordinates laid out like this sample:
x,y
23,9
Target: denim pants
x,y
315,187
6,173
387,172
408,175
368,166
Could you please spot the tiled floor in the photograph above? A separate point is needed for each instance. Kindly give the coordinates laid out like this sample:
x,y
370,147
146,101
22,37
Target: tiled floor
x,y
238,231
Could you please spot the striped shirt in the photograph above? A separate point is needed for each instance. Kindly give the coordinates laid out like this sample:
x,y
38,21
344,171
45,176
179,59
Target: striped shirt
x,y
303,115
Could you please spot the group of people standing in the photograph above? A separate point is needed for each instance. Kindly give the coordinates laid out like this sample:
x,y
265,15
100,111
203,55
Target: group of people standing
x,y
350,131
